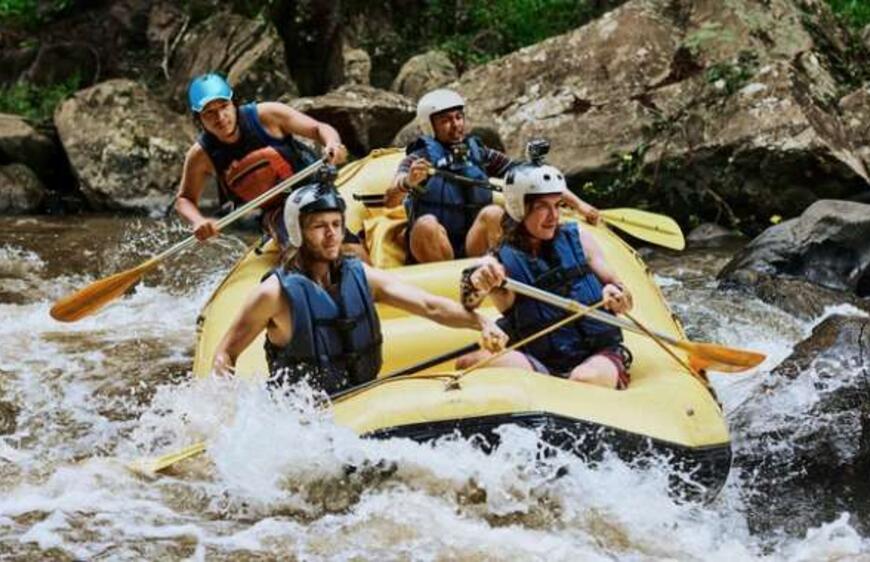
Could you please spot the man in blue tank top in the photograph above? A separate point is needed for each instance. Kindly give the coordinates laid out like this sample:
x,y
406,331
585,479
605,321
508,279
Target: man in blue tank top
x,y
318,308
248,149
537,250
449,218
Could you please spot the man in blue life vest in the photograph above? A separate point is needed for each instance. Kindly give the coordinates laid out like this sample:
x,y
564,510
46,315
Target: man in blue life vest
x,y
318,308
248,149
560,258
448,218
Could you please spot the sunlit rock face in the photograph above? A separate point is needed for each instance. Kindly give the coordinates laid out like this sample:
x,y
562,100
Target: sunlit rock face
x,y
806,438
723,110
248,52
125,147
365,117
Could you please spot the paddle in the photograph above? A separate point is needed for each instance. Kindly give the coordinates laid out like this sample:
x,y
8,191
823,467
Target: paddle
x,y
649,227
709,356
149,466
90,299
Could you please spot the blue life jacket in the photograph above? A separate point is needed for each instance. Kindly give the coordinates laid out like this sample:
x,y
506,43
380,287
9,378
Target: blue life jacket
x,y
252,138
561,268
455,206
335,341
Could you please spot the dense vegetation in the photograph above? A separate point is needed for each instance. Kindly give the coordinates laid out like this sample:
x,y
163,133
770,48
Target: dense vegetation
x,y
854,12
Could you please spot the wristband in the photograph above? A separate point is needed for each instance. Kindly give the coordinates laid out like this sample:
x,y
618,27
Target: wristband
x,y
468,294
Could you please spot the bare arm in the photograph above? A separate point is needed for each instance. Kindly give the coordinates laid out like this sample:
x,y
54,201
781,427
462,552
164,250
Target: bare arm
x,y
487,279
264,304
281,120
616,296
586,210
194,175
413,171
390,290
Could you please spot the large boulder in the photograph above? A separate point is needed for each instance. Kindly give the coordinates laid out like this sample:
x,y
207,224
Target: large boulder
x,y
807,264
19,142
21,192
125,147
828,245
366,117
424,72
804,436
723,110
248,52
856,117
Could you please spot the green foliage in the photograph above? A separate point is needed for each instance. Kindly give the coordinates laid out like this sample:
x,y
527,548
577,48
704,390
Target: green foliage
x,y
31,13
34,102
628,180
854,12
476,32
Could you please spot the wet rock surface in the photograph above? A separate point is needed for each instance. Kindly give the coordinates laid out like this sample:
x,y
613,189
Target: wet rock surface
x,y
828,246
711,235
805,440
21,192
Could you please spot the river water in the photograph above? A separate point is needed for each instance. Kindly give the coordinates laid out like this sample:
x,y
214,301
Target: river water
x,y
78,400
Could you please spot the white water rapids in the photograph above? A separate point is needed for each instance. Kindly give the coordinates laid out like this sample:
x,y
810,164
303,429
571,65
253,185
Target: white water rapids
x,y
280,480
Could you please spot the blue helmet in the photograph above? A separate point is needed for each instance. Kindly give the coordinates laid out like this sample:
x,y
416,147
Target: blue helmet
x,y
206,88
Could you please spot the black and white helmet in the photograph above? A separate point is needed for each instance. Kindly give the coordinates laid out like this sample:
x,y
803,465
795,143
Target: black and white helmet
x,y
313,198
529,179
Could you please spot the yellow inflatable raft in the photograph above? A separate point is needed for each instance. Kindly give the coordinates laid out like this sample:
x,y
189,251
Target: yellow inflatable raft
x,y
665,410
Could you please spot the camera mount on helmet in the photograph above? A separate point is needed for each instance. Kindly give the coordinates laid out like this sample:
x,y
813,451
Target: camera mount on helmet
x,y
537,150
325,177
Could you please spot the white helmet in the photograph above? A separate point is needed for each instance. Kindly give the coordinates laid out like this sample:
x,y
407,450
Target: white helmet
x,y
530,180
312,198
434,102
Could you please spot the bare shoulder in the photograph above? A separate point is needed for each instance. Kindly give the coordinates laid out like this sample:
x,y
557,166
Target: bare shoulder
x,y
375,276
272,111
587,240
270,289
197,158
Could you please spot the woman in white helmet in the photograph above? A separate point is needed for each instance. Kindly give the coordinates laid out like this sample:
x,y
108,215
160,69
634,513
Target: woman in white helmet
x,y
539,251
449,219
318,308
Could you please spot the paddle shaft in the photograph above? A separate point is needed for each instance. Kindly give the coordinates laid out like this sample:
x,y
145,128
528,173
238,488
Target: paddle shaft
x,y
485,184
425,364
574,306
245,209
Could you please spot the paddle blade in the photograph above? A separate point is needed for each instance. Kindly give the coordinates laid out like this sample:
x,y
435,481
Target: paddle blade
x,y
87,301
151,466
712,357
644,225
